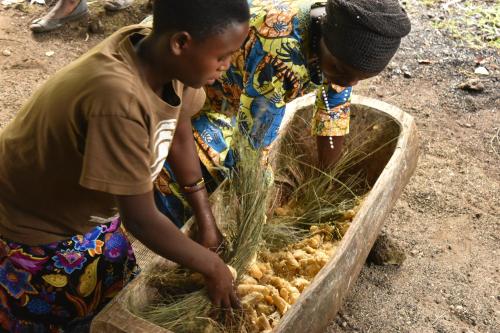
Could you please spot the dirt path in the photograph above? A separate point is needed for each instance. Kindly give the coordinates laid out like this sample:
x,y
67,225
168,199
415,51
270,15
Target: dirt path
x,y
447,220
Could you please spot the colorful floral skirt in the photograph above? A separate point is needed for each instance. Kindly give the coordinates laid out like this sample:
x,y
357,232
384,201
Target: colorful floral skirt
x,y
49,288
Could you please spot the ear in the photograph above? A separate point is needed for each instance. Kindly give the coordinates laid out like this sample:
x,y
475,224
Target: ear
x,y
179,42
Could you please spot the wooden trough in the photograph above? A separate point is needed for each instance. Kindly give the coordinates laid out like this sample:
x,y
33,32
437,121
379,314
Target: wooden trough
x,y
388,170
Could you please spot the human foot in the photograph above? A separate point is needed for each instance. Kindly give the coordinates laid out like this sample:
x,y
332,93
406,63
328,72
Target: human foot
x,y
64,11
115,5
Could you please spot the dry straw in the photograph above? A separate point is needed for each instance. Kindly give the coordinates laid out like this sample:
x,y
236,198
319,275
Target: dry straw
x,y
305,196
190,310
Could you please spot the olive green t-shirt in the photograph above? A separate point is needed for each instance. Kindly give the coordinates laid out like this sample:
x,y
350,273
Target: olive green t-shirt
x,y
94,130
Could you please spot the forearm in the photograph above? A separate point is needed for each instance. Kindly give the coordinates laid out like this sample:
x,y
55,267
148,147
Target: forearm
x,y
187,176
328,156
155,231
185,164
184,161
143,220
201,208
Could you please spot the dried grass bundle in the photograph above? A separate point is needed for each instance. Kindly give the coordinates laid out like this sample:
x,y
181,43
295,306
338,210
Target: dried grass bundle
x,y
310,196
185,306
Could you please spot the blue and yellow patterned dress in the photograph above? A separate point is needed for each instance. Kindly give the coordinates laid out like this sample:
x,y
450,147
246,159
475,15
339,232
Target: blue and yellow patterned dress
x,y
268,71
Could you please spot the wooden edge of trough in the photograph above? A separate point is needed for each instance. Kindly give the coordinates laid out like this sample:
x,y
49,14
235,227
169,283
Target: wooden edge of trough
x,y
320,302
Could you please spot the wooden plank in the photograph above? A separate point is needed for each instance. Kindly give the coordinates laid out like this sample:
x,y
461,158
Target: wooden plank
x,y
320,302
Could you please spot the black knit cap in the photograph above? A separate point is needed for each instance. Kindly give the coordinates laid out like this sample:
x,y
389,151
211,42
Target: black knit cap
x,y
365,34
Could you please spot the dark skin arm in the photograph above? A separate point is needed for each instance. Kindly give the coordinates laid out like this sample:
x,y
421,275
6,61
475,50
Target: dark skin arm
x,y
185,164
143,220
327,156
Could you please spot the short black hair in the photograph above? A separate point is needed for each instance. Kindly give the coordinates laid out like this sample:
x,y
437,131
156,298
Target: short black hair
x,y
199,18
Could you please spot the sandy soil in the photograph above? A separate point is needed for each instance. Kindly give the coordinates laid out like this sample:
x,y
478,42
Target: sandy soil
x,y
447,220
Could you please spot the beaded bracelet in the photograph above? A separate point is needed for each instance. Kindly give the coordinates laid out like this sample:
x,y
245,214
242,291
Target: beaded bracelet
x,y
199,185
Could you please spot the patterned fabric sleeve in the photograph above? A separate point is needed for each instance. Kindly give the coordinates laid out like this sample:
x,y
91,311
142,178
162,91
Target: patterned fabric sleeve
x,y
262,105
335,122
274,68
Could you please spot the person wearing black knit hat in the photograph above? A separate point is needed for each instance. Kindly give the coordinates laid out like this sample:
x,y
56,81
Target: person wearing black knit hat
x,y
364,34
357,39
294,47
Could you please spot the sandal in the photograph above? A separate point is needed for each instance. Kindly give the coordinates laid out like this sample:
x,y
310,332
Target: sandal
x,y
44,25
148,21
116,5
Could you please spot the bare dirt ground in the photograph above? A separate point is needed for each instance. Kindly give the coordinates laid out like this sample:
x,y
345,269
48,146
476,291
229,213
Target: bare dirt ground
x,y
447,220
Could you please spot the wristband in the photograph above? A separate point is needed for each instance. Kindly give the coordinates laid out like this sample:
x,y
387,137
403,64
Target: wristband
x,y
199,185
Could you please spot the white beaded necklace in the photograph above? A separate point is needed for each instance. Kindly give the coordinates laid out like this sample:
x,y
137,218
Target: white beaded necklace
x,y
321,77
327,104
